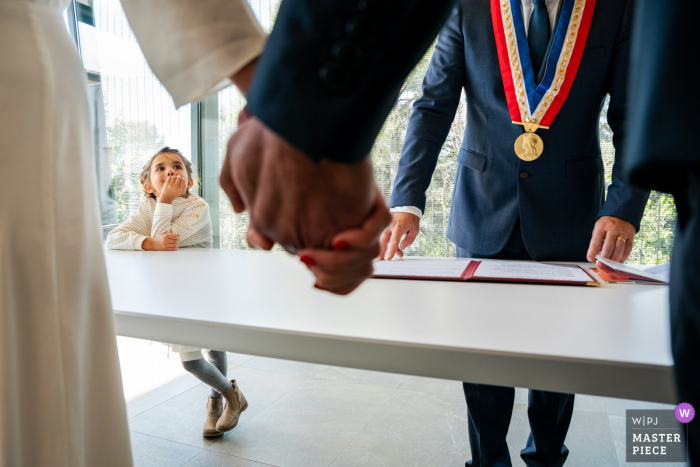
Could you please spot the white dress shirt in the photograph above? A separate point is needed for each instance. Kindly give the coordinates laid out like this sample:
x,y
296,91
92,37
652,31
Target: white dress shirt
x,y
527,7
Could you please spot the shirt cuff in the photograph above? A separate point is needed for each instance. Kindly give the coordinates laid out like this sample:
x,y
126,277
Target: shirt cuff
x,y
164,209
213,73
409,209
138,242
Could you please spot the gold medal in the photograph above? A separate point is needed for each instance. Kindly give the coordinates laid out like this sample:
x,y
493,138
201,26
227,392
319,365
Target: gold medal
x,y
529,146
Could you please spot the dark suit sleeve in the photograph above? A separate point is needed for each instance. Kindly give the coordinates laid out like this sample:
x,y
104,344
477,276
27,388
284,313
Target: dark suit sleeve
x,y
432,116
663,118
624,201
332,70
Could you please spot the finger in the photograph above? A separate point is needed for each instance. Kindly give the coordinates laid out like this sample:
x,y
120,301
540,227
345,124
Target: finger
x,y
408,239
336,269
229,187
384,241
338,262
628,249
620,245
596,244
371,228
257,240
345,290
394,244
608,245
333,282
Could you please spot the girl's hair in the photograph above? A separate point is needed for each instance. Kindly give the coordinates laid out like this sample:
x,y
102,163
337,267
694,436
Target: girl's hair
x,y
144,177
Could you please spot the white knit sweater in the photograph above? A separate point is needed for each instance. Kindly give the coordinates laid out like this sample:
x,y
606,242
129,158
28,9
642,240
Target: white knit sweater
x,y
188,217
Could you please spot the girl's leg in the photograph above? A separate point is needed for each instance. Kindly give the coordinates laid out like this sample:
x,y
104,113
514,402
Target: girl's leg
x,y
209,374
220,361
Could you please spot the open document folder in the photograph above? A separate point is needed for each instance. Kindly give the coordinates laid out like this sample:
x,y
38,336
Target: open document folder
x,y
477,270
612,271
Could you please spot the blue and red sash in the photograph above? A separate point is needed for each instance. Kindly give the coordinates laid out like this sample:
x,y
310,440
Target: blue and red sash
x,y
527,101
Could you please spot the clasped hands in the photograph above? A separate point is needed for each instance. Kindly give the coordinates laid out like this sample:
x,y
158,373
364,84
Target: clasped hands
x,y
330,214
612,238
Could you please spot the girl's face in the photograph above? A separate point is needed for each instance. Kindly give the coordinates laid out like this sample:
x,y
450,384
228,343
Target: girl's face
x,y
164,166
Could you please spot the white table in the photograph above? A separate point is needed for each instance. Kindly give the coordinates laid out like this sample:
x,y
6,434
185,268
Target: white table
x,y
611,340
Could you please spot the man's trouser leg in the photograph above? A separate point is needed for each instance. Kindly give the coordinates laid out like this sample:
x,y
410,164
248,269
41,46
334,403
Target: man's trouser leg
x,y
685,307
491,407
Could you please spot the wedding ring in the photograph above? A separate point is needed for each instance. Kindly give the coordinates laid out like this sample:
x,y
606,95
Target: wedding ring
x,y
623,239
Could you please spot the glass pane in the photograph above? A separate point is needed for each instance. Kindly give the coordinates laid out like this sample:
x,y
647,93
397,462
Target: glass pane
x,y
139,118
133,114
233,226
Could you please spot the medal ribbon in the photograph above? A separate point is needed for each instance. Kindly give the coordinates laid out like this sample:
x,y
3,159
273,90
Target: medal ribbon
x,y
527,101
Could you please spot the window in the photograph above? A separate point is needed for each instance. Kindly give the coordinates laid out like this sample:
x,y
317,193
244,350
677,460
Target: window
x,y
133,116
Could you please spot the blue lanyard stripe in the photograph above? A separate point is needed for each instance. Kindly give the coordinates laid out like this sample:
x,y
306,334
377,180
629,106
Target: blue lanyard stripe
x,y
534,92
557,46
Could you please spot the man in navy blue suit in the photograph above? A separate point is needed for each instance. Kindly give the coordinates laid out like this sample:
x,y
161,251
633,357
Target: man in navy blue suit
x,y
663,154
550,208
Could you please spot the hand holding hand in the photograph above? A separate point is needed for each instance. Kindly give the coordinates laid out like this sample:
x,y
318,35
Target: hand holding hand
x,y
174,187
402,223
292,200
612,239
344,268
166,242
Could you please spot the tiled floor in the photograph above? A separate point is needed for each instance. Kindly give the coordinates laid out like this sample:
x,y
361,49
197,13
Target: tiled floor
x,y
303,414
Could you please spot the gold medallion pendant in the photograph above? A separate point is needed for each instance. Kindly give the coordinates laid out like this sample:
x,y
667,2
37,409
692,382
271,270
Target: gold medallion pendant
x,y
529,146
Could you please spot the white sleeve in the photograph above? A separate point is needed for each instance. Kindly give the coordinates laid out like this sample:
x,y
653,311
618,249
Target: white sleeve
x,y
187,224
194,47
130,234
409,209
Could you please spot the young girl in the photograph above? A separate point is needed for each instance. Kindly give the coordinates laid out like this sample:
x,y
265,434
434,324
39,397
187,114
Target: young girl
x,y
169,218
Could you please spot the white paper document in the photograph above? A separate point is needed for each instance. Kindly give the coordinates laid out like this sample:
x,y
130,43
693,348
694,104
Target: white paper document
x,y
626,268
445,268
662,271
534,271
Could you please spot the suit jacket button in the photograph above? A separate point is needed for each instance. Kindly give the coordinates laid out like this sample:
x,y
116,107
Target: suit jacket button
x,y
523,175
334,76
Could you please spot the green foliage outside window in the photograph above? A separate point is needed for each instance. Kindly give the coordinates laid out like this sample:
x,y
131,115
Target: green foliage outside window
x,y
653,243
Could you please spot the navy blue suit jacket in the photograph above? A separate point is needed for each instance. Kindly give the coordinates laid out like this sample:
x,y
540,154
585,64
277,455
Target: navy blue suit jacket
x,y
562,197
332,70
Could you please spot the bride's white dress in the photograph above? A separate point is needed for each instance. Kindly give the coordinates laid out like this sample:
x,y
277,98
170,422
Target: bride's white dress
x,y
61,398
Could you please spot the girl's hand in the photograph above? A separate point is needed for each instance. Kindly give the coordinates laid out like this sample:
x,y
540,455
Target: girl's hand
x,y
167,242
174,187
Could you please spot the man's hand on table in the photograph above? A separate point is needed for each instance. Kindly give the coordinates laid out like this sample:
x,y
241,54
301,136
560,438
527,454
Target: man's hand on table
x,y
402,223
612,239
